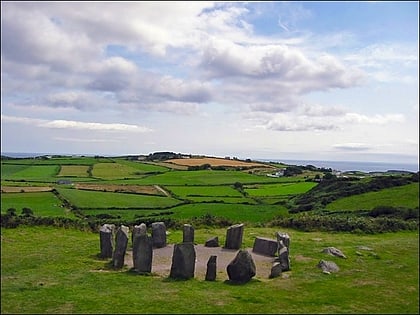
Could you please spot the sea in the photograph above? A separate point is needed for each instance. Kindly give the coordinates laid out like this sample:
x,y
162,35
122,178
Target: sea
x,y
343,166
347,166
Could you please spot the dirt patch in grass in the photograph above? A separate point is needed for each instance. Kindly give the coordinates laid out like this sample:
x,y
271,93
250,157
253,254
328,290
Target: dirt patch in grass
x,y
162,260
15,189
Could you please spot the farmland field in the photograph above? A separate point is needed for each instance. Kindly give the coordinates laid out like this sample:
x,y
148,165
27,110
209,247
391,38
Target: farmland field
x,y
96,199
402,196
215,162
41,203
279,189
74,170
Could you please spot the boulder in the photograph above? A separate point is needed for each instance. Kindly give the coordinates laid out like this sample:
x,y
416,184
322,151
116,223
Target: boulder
x,y
212,242
328,266
242,268
334,252
276,270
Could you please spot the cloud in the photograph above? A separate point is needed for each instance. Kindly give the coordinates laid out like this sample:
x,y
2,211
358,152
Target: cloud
x,y
77,125
352,146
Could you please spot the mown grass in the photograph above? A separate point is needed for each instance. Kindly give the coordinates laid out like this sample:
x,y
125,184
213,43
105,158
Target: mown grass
x,y
204,191
401,196
113,171
279,189
74,170
41,203
39,172
55,270
96,199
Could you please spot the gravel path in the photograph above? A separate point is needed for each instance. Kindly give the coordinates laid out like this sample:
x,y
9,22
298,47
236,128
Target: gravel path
x,y
162,260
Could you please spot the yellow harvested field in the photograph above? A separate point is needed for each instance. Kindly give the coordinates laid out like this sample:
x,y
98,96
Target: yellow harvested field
x,y
74,170
14,189
215,162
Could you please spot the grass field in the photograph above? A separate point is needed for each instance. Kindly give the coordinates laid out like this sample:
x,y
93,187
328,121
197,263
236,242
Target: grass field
x,y
55,270
279,189
41,203
402,196
96,199
74,170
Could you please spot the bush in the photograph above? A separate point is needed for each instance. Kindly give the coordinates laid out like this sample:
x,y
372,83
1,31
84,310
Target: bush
x,y
27,211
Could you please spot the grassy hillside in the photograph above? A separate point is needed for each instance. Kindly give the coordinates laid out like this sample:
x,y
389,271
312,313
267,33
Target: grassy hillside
x,y
55,270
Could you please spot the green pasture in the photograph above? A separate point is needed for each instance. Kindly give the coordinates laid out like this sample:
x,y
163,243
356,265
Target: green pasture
x,y
203,191
41,203
130,214
230,200
401,196
49,270
74,170
262,190
31,173
143,167
235,212
204,177
114,171
7,170
99,199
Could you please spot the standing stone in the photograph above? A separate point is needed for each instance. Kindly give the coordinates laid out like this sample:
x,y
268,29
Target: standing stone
x,y
285,238
188,234
121,241
275,270
265,246
105,239
183,261
142,253
234,236
211,268
212,242
242,268
138,230
283,257
159,234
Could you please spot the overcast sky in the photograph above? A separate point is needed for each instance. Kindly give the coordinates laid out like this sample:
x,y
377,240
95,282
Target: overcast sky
x,y
277,80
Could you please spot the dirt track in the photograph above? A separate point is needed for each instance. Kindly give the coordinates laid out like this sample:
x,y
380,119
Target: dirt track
x,y
162,260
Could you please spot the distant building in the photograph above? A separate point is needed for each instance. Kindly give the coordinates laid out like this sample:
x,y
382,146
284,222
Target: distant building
x,y
64,182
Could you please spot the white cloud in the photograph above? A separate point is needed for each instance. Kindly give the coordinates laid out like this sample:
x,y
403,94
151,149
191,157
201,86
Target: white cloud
x,y
78,125
352,146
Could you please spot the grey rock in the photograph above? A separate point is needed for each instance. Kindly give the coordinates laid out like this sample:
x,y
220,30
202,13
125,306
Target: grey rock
x,y
142,253
212,242
234,236
285,238
265,246
334,252
188,234
183,261
276,270
121,241
328,266
283,256
242,268
159,234
105,240
211,268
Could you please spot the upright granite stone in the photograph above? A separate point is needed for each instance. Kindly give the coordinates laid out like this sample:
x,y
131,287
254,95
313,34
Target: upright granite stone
x,y
138,230
159,234
183,261
212,242
188,234
242,268
234,236
283,257
142,253
211,268
121,241
265,246
285,238
275,270
105,239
